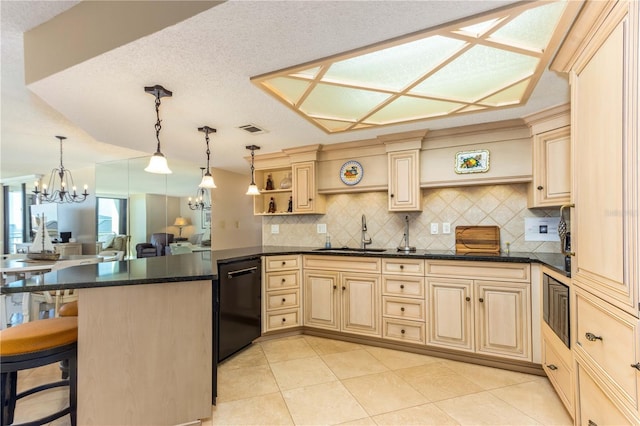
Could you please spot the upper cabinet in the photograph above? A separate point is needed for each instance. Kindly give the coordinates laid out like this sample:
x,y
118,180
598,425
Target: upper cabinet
x,y
551,157
288,183
403,156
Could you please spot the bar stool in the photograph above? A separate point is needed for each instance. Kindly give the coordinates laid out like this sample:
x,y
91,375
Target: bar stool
x,y
35,344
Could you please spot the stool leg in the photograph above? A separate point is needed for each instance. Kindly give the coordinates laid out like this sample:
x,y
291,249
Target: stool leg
x,y
8,395
73,388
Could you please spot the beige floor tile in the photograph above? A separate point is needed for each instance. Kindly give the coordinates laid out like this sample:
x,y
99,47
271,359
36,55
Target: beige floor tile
x,y
353,364
285,349
488,377
367,421
394,360
326,403
536,399
260,410
383,392
443,386
244,383
324,346
250,357
437,368
426,415
301,372
483,409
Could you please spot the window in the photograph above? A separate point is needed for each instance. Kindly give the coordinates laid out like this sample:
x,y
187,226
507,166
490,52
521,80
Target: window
x,y
17,225
111,216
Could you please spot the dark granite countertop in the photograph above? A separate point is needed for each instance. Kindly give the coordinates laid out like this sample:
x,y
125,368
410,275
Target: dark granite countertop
x,y
203,266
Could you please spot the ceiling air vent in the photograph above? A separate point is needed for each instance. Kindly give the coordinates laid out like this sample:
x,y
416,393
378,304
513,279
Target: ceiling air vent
x,y
253,129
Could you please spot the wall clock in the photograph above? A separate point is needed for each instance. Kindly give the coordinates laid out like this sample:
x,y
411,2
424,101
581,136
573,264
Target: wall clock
x,y
351,172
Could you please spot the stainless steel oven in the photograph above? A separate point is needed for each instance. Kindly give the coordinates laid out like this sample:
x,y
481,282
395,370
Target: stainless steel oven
x,y
555,300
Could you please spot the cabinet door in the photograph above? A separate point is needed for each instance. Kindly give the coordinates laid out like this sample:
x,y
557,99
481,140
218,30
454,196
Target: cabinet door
x,y
404,181
503,324
551,168
361,303
604,221
305,193
321,307
450,313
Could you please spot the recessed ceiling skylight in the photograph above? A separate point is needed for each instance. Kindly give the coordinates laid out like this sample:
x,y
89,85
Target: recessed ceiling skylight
x,y
483,63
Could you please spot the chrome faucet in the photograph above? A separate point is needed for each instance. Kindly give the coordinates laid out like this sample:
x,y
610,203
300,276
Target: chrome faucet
x,y
364,238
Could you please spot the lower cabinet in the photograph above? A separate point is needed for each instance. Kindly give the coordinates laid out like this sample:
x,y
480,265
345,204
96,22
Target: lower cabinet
x,y
281,293
486,317
342,300
557,363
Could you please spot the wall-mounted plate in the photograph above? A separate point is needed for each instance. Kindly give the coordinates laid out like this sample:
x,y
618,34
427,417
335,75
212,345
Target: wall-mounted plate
x,y
351,173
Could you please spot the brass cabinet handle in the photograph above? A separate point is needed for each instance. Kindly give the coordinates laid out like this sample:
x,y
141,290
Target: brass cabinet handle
x,y
592,337
401,266
402,309
402,331
343,288
468,299
391,195
335,286
592,423
540,187
284,319
310,199
284,263
284,280
481,300
552,367
401,286
284,300
636,365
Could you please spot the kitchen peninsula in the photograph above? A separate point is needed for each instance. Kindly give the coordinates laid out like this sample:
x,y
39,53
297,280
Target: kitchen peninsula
x,y
147,330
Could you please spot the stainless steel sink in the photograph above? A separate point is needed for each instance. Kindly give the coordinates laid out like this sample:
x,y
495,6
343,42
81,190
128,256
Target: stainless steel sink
x,y
352,249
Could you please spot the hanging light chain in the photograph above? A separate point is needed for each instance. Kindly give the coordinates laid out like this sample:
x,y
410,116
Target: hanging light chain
x,y
158,125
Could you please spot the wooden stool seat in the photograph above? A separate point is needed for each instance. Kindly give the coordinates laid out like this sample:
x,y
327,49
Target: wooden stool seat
x,y
32,345
69,309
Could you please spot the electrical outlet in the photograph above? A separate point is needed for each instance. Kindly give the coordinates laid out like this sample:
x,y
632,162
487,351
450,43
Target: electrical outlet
x,y
322,228
275,229
434,228
446,228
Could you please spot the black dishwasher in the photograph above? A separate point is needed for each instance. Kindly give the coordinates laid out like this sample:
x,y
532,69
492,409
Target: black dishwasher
x,y
239,305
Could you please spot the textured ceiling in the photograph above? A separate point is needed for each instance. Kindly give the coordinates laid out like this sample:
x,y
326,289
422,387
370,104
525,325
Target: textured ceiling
x,y
207,61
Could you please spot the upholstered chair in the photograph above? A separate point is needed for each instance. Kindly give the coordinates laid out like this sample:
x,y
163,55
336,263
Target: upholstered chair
x,y
157,246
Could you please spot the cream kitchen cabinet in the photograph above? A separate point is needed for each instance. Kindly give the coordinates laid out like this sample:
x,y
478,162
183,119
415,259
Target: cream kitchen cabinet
x,y
551,185
305,190
490,316
403,302
338,296
602,60
404,181
281,293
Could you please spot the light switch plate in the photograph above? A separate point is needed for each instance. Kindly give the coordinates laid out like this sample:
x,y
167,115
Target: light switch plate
x,y
434,228
275,229
322,228
446,228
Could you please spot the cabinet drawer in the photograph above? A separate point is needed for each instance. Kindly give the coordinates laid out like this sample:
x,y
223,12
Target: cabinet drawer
x,y
403,286
559,374
343,263
407,331
400,307
608,337
403,266
283,319
499,271
282,280
594,407
283,299
280,263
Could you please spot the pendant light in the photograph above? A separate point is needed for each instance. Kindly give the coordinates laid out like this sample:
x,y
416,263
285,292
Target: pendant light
x,y
63,189
253,188
158,162
207,179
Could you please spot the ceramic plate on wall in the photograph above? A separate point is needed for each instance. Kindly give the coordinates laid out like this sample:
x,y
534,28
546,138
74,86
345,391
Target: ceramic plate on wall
x,y
351,173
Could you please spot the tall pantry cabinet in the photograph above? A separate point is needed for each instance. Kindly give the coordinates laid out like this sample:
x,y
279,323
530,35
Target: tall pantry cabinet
x,y
600,54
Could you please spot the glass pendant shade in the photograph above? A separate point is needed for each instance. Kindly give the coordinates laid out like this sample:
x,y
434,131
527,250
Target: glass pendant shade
x,y
207,181
158,164
253,189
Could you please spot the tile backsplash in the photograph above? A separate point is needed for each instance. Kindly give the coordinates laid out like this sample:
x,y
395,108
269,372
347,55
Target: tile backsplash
x,y
501,205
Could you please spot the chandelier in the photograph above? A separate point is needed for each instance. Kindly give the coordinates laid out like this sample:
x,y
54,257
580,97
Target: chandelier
x,y
61,188
158,162
203,199
207,179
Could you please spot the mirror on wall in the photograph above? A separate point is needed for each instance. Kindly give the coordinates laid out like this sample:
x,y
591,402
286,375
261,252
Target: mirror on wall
x,y
154,201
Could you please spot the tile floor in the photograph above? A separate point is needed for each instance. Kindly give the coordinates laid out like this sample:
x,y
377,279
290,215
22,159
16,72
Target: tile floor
x,y
307,380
